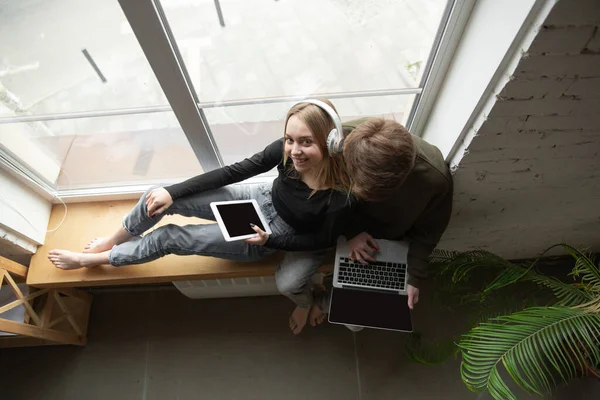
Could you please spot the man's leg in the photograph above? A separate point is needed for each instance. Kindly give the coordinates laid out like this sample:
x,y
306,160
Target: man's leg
x,y
293,278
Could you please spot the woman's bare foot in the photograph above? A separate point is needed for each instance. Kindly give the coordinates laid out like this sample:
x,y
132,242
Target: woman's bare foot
x,y
298,319
316,315
65,259
98,245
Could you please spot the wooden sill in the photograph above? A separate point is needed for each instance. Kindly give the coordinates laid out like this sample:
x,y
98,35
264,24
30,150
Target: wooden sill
x,y
86,221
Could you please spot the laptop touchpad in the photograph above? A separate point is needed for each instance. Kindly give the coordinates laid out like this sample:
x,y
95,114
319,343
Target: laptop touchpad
x,y
370,309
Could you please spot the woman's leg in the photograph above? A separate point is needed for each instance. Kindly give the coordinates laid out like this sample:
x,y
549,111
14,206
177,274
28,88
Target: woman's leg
x,y
205,240
293,279
198,239
137,221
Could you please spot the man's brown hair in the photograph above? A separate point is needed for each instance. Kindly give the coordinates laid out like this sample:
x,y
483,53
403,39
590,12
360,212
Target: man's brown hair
x,y
379,154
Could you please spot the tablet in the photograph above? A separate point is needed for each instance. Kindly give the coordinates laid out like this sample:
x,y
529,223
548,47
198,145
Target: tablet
x,y
234,218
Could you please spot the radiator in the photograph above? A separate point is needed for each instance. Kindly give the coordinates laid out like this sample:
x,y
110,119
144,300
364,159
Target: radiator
x,y
233,287
228,287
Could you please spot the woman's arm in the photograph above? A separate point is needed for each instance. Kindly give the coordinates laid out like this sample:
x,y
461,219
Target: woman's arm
x,y
257,164
333,226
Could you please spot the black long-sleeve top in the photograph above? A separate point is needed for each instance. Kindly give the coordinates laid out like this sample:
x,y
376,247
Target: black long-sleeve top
x,y
318,219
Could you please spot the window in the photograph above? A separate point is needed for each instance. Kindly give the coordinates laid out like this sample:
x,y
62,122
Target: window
x,y
68,58
89,96
71,55
240,131
268,48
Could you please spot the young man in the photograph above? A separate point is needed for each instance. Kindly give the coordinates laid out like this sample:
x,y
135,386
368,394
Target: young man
x,y
406,192
405,189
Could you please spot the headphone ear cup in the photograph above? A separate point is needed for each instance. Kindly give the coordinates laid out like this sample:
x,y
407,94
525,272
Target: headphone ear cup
x,y
332,142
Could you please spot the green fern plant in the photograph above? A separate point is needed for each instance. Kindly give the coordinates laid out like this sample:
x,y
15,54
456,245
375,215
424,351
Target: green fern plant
x,y
539,346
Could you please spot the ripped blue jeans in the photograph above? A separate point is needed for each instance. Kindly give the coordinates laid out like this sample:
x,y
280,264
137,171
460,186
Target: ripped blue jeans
x,y
195,239
293,275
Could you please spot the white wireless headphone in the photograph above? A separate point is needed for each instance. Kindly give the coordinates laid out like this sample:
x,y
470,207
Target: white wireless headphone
x,y
335,139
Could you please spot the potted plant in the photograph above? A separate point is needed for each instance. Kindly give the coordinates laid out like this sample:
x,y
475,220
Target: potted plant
x,y
551,334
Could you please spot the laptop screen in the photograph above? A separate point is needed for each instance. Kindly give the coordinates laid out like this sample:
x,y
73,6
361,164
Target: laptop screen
x,y
370,309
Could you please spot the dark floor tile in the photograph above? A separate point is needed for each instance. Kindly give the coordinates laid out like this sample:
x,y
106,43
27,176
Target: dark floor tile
x,y
386,373
110,366
35,372
577,389
242,349
580,389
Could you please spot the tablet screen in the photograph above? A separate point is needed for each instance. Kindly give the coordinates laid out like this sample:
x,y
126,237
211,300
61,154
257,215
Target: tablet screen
x,y
237,218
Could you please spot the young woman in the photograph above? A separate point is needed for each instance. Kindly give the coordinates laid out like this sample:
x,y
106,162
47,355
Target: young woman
x,y
303,207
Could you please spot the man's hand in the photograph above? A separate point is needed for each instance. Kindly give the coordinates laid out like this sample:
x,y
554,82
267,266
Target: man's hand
x,y
362,247
413,296
158,201
259,239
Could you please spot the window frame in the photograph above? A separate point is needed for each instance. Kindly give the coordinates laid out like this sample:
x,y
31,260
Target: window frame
x,y
150,26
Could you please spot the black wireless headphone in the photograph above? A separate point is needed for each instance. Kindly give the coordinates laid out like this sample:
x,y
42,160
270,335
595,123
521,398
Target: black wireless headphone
x,y
335,139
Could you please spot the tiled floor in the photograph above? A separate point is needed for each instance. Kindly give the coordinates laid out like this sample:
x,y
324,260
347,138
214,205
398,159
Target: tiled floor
x,y
158,344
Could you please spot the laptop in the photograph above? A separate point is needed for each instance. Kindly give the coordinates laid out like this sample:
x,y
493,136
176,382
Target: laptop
x,y
371,295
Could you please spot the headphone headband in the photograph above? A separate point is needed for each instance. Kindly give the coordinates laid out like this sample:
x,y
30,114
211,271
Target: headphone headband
x,y
335,139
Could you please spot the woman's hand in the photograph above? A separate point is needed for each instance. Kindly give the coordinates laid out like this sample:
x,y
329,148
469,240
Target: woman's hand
x,y
259,239
158,201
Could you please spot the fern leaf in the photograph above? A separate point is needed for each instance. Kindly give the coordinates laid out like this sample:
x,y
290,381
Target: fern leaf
x,y
566,293
533,345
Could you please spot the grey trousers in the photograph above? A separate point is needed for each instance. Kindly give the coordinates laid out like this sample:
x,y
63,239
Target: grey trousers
x,y
293,275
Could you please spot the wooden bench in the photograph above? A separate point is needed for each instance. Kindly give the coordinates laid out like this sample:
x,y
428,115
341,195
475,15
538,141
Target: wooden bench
x,y
86,221
45,316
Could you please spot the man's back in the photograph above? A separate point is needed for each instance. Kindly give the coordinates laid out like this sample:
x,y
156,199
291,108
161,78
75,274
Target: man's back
x,y
429,179
418,211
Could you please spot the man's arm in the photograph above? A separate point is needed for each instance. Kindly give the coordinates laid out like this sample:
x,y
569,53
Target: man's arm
x,y
362,244
425,234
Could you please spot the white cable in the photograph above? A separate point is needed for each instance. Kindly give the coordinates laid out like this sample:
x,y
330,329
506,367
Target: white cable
x,y
6,202
62,201
64,216
3,200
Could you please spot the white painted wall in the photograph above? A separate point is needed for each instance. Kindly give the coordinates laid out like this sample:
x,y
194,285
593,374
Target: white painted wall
x,y
490,32
531,176
24,214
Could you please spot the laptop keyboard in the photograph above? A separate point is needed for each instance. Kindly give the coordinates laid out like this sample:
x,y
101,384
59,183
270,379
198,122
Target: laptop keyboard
x,y
380,274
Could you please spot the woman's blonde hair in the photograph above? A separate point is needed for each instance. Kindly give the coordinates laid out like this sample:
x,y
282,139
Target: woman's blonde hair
x,y
332,173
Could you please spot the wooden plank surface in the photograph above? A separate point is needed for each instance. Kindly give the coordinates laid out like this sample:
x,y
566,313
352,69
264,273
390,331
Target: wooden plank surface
x,y
35,331
86,221
13,267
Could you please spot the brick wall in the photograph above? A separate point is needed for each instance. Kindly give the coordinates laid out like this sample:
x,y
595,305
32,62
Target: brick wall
x,y
531,177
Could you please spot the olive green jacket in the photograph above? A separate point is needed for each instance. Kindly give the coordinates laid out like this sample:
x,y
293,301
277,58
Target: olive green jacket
x,y
420,211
